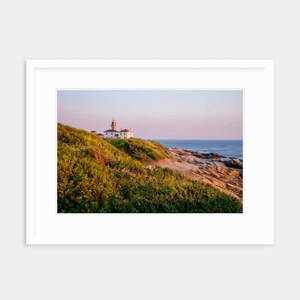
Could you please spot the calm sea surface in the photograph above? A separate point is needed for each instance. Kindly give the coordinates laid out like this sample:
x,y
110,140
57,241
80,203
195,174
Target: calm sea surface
x,y
228,148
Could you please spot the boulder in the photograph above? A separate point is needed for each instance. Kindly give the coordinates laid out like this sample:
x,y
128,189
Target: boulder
x,y
234,163
207,155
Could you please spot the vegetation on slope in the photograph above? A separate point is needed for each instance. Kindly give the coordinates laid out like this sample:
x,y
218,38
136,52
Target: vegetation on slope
x,y
145,151
100,176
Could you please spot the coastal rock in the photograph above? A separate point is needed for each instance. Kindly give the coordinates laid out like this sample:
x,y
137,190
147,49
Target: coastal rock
x,y
234,163
212,168
207,155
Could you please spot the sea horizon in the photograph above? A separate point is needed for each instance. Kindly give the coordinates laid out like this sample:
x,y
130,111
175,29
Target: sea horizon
x,y
226,148
183,139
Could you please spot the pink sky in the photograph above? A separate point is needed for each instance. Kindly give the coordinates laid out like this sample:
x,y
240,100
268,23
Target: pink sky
x,y
156,114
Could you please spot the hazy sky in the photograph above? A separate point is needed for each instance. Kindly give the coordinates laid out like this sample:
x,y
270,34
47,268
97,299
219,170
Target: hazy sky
x,y
156,114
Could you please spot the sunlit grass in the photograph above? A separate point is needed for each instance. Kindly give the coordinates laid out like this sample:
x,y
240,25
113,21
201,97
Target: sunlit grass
x,y
110,176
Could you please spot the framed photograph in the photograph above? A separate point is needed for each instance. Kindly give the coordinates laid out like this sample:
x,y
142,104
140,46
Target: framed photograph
x,y
149,152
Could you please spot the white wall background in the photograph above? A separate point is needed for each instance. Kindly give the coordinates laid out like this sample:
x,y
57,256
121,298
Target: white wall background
x,y
148,29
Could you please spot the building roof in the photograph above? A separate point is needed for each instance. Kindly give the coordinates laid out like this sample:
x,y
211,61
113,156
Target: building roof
x,y
111,130
125,130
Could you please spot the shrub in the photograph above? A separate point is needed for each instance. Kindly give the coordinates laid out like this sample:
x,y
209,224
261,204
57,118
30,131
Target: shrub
x,y
95,175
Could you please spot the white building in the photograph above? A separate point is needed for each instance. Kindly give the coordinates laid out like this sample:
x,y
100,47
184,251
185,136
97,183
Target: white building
x,y
126,134
113,133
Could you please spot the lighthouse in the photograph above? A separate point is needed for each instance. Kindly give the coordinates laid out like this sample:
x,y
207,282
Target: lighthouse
x,y
113,124
113,133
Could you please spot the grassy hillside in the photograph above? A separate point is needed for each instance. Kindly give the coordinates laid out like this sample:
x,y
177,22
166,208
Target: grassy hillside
x,y
145,151
110,176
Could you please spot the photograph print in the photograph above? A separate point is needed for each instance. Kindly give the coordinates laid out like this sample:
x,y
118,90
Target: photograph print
x,y
150,151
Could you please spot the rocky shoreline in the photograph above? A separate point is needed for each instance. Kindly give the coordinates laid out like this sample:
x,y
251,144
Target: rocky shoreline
x,y
226,174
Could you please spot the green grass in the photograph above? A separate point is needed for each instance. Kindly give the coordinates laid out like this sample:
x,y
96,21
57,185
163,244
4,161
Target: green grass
x,y
145,151
110,176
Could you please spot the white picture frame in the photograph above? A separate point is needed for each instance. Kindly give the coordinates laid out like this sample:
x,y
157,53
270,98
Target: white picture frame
x,y
254,226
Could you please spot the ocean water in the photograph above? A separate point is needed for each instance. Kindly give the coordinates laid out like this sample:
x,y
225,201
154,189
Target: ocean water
x,y
227,148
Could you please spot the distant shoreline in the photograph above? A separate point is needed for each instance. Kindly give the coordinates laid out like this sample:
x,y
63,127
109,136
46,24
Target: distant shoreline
x,y
225,148
207,155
